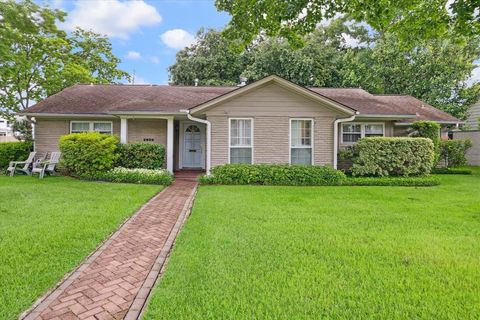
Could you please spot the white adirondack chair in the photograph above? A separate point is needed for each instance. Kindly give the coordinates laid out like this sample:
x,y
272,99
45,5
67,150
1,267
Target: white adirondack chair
x,y
42,167
22,166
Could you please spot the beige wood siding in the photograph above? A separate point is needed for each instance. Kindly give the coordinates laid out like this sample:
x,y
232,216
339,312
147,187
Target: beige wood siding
x,y
49,131
219,147
271,108
139,129
273,100
473,117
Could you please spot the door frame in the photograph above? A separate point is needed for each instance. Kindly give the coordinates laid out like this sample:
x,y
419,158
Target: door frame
x,y
181,137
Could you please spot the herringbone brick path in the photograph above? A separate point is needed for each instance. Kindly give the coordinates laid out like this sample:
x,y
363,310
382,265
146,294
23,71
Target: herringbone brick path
x,y
106,284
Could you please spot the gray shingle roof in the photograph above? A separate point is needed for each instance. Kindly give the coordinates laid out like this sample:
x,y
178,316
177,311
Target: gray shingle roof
x,y
104,99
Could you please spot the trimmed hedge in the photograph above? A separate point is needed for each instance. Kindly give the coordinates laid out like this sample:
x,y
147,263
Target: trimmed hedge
x,y
274,174
141,155
453,152
14,151
424,181
380,156
125,175
88,153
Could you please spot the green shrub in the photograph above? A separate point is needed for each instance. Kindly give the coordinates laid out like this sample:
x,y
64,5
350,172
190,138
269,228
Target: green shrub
x,y
13,151
431,130
381,156
423,181
141,155
124,175
274,174
88,153
453,152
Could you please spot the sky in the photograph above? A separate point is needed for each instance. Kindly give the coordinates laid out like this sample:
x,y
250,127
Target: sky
x,y
145,35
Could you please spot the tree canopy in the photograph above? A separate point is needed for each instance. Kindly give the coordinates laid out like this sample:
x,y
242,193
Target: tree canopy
x,y
342,54
410,20
37,59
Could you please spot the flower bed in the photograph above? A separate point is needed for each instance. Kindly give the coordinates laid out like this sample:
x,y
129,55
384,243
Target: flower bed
x,y
145,176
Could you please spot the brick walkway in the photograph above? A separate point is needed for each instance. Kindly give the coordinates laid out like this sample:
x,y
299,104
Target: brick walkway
x,y
119,275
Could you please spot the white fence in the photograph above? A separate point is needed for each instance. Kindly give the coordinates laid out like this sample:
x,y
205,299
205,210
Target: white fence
x,y
473,155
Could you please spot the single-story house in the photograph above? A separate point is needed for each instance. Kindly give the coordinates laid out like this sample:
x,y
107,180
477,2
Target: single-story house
x,y
472,132
268,121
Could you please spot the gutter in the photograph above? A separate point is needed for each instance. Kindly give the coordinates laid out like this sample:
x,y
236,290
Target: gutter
x,y
209,137
335,136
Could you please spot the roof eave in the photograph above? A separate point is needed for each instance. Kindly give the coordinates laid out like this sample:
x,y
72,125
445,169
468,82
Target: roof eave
x,y
132,113
71,115
386,116
437,121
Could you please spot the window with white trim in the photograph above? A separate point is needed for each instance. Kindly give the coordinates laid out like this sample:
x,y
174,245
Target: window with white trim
x,y
352,132
374,130
241,140
90,126
301,141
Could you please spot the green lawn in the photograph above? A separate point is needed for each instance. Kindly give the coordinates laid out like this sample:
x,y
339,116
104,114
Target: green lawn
x,y
252,252
48,226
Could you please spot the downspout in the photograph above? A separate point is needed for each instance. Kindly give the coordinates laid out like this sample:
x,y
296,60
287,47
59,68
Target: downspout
x,y
209,137
34,122
335,136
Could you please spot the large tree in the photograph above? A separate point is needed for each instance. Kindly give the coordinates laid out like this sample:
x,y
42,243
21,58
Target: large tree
x,y
210,59
435,71
410,20
343,54
37,59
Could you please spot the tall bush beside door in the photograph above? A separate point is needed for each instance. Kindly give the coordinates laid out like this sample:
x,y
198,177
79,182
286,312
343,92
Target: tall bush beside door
x,y
141,155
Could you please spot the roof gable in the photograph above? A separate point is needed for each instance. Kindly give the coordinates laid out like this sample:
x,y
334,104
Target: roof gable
x,y
278,81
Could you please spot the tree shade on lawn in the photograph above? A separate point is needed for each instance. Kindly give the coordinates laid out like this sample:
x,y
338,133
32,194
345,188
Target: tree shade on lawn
x,y
256,252
48,226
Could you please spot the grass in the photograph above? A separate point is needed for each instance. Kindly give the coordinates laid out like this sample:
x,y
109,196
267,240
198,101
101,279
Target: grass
x,y
47,227
256,252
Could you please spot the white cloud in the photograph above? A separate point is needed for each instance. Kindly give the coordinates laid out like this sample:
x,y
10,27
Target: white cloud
x,y
133,55
113,18
139,80
154,59
177,38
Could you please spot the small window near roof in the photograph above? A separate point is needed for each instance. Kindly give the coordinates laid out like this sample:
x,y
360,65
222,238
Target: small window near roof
x,y
78,127
352,132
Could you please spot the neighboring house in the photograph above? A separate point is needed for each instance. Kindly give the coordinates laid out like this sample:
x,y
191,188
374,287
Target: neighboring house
x,y
471,132
269,121
6,133
473,118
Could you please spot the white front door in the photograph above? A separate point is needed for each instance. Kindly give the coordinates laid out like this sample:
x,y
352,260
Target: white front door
x,y
192,153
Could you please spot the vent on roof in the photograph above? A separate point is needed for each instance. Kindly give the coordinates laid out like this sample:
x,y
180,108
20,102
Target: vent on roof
x,y
196,82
